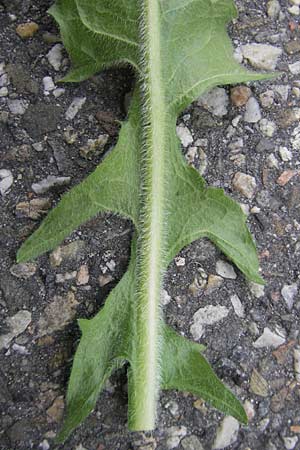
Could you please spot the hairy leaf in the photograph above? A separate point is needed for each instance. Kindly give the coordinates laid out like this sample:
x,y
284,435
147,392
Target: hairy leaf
x,y
179,49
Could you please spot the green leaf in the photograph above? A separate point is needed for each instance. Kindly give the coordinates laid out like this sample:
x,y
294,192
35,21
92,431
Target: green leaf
x,y
179,49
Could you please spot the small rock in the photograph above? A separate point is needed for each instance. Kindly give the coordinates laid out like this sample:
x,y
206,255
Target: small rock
x,y
34,209
27,30
258,385
225,270
165,298
289,293
184,135
239,95
269,339
208,315
292,47
297,363
215,101
23,270
58,92
83,276
258,290
294,10
63,277
17,325
17,107
48,84
3,91
237,306
272,161
179,261
244,184
57,314
283,90
295,68
252,113
267,127
49,183
227,433
285,154
174,436
72,251
56,410
94,146
214,282
104,280
44,445
250,411
191,443
70,135
75,107
261,56
273,9
290,442
6,181
55,56
20,349
286,176
267,98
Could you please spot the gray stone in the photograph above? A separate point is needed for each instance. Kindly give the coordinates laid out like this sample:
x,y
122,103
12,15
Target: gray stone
x,y
174,436
3,91
244,184
273,9
209,315
6,181
23,270
227,433
75,107
252,113
191,443
57,314
289,293
237,306
267,127
261,56
49,183
295,68
184,135
55,56
285,154
290,442
215,101
225,270
269,339
17,107
17,325
258,290
48,84
40,119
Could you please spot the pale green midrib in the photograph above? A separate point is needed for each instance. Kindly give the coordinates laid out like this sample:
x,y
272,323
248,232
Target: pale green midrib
x,y
150,247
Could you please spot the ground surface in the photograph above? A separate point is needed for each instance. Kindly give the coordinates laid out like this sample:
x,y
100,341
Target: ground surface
x,y
36,140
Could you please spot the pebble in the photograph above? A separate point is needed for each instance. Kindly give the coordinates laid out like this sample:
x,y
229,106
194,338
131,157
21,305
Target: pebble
x,y
252,113
225,270
294,10
58,92
57,314
261,56
20,349
237,306
17,325
72,251
269,339
244,184
295,68
165,297
27,30
34,209
83,276
227,433
295,2
75,107
55,56
17,107
48,84
239,95
273,9
44,445
180,261
297,363
258,384
250,411
56,410
184,135
215,101
174,436
93,146
214,282
208,315
289,293
191,443
272,161
286,176
4,81
285,154
49,183
3,91
23,270
290,442
6,181
283,90
267,127
258,290
267,98
63,277
105,279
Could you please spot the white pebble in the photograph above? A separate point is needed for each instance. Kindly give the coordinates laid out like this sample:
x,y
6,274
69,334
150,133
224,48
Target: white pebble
x,y
55,56
184,135
252,113
48,84
227,433
237,306
74,108
295,68
285,154
208,315
3,91
269,339
6,180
